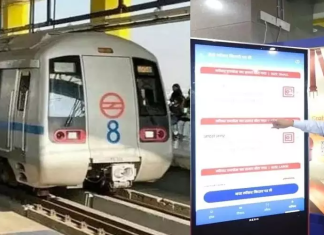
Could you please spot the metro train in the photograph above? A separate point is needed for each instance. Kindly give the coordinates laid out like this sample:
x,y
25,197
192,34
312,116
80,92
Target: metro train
x,y
81,107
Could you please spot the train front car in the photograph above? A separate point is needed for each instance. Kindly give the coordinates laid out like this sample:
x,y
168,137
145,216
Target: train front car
x,y
84,107
118,108
128,124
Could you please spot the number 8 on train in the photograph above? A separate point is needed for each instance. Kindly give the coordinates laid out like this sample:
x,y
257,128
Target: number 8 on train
x,y
113,135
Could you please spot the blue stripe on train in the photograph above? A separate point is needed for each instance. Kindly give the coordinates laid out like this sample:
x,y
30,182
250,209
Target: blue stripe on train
x,y
17,126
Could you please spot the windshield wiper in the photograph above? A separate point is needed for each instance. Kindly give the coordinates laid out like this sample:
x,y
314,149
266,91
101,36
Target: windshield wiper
x,y
74,109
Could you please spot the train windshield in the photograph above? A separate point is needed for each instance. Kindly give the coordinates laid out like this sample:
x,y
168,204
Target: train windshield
x,y
150,94
66,88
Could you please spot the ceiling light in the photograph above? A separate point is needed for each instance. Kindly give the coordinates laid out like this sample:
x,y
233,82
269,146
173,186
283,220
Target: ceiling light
x,y
214,4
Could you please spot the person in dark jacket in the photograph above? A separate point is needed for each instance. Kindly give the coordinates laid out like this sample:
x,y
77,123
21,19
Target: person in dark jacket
x,y
176,94
176,110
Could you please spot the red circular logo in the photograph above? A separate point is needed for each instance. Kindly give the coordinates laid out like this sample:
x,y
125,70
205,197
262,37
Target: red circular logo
x,y
112,105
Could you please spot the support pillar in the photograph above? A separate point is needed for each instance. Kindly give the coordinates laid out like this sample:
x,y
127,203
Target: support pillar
x,y
15,14
239,20
101,5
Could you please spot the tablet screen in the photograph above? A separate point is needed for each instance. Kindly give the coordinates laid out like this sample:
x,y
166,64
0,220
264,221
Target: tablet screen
x,y
244,169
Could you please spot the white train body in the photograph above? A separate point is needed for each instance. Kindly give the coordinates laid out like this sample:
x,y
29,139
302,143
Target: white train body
x,y
59,95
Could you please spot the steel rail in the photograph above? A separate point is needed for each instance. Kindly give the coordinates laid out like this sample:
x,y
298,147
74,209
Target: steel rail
x,y
157,203
69,217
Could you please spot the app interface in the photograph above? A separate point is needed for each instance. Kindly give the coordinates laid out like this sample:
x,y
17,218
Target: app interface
x,y
244,168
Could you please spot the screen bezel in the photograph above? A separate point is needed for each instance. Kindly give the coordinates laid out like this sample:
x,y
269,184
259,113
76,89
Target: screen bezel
x,y
291,223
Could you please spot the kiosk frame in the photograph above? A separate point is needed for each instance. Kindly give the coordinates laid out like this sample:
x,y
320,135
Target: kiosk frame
x,y
296,223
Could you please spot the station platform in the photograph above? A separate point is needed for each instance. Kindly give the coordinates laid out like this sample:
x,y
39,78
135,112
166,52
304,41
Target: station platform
x,y
13,223
181,148
181,153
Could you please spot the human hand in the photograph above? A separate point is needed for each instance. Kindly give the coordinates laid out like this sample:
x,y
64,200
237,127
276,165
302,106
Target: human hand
x,y
282,123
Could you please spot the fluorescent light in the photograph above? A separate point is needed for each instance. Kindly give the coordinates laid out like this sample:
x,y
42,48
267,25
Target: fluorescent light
x,y
272,52
214,4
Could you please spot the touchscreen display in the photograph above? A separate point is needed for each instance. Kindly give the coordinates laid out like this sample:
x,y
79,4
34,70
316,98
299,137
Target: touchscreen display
x,y
244,169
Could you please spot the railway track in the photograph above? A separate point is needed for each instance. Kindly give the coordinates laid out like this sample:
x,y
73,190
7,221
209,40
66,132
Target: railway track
x,y
69,217
156,196
150,211
161,204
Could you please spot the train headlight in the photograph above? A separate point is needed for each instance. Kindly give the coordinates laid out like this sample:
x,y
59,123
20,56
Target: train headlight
x,y
161,134
60,135
153,135
72,135
149,134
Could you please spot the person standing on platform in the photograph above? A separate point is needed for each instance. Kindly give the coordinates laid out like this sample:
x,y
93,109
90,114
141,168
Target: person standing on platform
x,y
177,94
176,108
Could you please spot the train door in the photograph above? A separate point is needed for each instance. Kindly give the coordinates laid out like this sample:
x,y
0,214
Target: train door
x,y
7,101
154,139
20,109
112,119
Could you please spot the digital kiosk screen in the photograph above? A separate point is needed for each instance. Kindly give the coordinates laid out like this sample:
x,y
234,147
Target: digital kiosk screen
x,y
244,171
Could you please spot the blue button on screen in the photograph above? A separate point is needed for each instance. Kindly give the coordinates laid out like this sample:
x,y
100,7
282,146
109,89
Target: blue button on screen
x,y
247,193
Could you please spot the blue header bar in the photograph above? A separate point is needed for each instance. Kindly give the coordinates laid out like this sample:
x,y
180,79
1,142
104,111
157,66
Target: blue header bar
x,y
248,57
